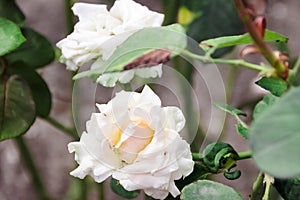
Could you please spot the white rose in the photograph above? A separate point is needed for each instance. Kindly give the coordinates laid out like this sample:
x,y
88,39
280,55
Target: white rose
x,y
136,141
97,25
110,79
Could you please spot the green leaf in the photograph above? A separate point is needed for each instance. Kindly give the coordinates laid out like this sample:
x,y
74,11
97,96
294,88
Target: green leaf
x,y
194,5
275,85
119,190
211,45
233,175
200,172
40,91
218,155
9,10
218,18
10,36
36,52
209,190
242,130
144,41
294,74
275,137
264,104
289,189
17,109
229,109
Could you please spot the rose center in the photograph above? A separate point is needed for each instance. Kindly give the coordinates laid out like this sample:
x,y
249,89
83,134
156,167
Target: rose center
x,y
132,140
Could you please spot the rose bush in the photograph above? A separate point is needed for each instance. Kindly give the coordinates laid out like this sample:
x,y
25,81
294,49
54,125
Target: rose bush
x,y
136,141
99,32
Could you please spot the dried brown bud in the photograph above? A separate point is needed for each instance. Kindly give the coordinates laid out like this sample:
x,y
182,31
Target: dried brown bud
x,y
152,58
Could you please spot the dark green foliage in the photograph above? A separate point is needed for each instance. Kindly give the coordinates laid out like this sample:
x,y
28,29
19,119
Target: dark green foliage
x,y
218,18
289,189
119,189
36,52
17,108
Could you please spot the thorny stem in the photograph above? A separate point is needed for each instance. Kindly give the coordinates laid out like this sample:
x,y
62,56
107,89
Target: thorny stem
x,y
282,71
226,61
32,169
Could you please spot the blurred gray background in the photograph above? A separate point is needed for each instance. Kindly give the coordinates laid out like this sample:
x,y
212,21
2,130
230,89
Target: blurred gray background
x,y
49,146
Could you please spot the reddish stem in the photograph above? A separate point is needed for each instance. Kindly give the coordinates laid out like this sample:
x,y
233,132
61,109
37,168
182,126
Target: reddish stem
x,y
281,69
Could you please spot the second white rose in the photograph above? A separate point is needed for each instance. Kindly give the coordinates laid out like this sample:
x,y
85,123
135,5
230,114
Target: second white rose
x,y
136,141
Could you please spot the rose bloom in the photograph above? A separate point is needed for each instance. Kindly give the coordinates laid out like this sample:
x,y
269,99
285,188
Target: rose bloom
x,y
136,141
99,31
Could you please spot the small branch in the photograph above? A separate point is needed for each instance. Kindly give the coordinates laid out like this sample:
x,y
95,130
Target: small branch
x,y
241,156
226,61
29,162
268,180
258,187
125,86
171,8
197,156
69,17
244,155
282,71
101,191
62,127
3,66
83,189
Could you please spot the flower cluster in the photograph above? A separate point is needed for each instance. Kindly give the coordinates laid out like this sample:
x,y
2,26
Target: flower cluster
x,y
136,141
133,138
99,32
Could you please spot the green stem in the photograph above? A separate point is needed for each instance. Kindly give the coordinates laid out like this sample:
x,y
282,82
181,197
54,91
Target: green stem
x,y
83,189
241,156
229,85
267,192
244,155
295,73
146,197
258,39
69,17
241,121
197,156
258,187
32,169
186,70
62,127
101,191
126,86
171,8
226,61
